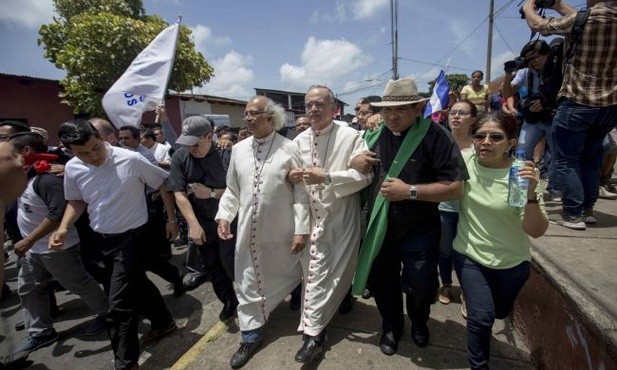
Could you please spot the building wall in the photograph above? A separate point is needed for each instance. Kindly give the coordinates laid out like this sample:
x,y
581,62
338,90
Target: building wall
x,y
34,101
235,112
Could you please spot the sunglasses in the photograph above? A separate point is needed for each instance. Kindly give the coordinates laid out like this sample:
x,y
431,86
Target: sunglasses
x,y
494,137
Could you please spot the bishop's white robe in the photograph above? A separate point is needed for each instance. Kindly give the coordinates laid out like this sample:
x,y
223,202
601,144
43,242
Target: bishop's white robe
x,y
329,261
270,211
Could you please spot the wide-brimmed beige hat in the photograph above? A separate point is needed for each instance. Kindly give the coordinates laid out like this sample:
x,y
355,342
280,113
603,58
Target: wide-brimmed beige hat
x,y
400,92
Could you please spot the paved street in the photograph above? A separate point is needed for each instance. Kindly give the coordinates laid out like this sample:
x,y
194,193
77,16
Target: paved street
x,y
75,351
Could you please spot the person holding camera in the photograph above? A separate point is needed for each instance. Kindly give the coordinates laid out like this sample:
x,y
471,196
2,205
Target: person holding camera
x,y
537,80
587,108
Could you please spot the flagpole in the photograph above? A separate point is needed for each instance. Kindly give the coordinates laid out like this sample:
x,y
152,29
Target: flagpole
x,y
157,119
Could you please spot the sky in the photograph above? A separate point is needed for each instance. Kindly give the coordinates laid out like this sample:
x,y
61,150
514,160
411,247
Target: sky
x,y
290,45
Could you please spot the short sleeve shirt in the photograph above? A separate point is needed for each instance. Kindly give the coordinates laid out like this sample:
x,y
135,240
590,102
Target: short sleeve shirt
x,y
476,97
210,171
437,158
114,192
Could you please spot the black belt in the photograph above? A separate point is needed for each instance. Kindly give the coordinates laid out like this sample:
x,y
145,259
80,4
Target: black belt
x,y
118,235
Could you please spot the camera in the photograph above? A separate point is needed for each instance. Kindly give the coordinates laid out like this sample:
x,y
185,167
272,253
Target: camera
x,y
540,4
513,65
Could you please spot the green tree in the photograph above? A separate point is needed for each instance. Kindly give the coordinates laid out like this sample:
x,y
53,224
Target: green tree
x,y
456,81
95,41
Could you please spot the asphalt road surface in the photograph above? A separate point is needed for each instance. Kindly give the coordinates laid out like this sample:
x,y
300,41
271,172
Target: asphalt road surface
x,y
76,351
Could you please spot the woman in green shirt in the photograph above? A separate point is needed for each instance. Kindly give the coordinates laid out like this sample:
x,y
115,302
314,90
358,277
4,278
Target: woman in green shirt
x,y
491,249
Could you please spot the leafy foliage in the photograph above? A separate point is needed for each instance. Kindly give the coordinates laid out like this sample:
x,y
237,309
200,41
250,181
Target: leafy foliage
x,y
96,40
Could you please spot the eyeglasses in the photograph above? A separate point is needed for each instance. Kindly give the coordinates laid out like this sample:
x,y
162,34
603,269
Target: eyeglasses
x,y
249,114
494,137
316,105
459,112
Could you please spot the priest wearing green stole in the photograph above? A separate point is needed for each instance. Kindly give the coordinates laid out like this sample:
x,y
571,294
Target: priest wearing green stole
x,y
415,164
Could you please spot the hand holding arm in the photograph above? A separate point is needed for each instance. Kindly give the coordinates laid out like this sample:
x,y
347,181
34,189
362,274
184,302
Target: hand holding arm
x,y
364,162
298,243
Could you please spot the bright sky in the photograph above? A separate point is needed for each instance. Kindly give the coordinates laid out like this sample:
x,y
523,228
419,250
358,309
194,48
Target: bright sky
x,y
290,45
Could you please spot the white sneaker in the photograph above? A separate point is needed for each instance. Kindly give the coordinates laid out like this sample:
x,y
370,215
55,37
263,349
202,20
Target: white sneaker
x,y
605,194
574,223
589,218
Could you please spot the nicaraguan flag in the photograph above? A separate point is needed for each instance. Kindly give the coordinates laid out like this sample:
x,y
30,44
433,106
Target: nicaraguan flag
x,y
439,99
142,86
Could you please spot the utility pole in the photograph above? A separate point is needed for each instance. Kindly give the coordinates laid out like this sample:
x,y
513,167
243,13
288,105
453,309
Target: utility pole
x,y
394,24
489,48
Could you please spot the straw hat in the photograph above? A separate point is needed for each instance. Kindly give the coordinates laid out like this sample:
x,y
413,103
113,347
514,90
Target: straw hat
x,y
400,92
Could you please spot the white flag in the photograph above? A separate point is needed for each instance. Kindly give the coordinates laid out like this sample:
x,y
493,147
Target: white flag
x,y
142,86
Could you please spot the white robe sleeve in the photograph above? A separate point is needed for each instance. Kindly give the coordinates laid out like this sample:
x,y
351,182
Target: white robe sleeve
x,y
230,200
350,181
302,216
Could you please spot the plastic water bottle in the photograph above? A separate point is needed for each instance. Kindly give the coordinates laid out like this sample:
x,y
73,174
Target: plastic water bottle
x,y
517,186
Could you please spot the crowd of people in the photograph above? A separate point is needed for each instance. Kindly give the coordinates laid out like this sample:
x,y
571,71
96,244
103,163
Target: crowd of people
x,y
386,206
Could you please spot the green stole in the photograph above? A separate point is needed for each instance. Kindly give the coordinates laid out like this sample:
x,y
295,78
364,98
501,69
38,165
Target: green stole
x,y
378,223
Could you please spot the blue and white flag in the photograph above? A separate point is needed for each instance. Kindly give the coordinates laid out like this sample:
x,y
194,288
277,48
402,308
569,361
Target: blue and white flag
x,y
142,86
439,99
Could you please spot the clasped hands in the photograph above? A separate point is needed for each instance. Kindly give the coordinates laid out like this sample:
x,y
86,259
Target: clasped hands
x,y
311,176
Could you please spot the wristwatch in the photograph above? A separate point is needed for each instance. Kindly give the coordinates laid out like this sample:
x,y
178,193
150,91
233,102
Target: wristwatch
x,y
327,180
213,194
413,192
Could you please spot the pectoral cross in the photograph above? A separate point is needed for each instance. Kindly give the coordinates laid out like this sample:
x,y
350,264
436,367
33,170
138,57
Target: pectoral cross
x,y
319,189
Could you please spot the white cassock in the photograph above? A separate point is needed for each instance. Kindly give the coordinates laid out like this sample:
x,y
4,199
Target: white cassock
x,y
270,211
330,261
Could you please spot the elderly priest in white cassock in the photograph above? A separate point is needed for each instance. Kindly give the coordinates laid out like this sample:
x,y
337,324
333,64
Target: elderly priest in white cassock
x,y
326,150
273,221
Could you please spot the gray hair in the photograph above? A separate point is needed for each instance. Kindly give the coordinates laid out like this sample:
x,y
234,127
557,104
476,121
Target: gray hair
x,y
332,98
276,112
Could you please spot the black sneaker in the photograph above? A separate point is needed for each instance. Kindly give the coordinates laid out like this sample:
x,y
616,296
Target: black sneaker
x,y
33,343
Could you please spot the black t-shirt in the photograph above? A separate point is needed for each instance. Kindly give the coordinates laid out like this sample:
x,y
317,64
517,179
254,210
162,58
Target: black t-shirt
x,y
437,158
210,171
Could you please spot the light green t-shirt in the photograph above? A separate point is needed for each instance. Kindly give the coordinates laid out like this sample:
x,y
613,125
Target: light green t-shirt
x,y
489,230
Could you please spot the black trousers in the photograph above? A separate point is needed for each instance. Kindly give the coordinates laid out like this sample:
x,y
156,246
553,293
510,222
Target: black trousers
x,y
213,257
418,251
156,259
130,294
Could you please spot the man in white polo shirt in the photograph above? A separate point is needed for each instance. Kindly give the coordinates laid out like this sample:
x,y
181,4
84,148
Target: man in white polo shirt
x,y
109,182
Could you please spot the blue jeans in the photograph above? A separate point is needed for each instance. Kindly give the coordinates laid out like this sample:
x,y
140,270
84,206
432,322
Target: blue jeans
x,y
489,295
252,336
449,221
578,131
530,136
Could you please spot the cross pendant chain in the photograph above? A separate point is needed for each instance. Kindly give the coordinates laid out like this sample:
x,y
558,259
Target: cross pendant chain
x,y
319,189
